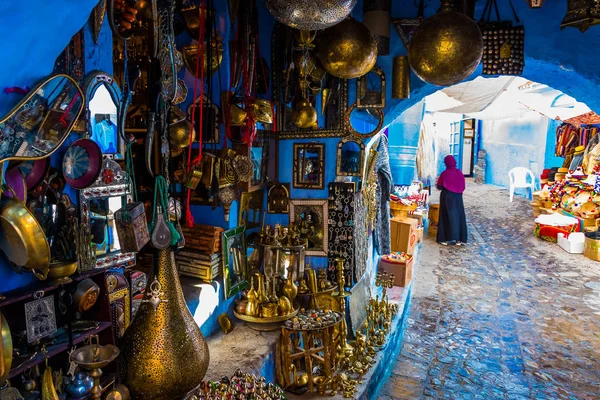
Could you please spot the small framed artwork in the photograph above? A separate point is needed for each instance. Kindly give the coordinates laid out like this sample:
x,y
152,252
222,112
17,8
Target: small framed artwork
x,y
469,133
309,165
310,218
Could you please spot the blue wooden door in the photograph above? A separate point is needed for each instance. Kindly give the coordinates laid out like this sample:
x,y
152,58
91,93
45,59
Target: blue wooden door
x,y
456,142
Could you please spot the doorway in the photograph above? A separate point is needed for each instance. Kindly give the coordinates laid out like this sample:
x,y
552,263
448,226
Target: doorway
x,y
468,146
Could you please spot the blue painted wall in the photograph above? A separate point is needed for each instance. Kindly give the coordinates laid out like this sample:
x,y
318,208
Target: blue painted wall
x,y
403,135
513,142
550,159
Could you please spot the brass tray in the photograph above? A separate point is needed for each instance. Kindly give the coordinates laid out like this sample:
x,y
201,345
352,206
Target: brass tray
x,y
265,324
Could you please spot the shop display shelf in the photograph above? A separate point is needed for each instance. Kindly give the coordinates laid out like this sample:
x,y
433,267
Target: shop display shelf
x,y
57,349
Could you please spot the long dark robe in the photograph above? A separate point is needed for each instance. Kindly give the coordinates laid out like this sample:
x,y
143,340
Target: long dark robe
x,y
452,224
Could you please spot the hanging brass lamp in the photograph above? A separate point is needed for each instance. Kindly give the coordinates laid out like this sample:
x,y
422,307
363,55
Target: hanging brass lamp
x,y
163,351
347,50
581,14
304,115
310,15
446,48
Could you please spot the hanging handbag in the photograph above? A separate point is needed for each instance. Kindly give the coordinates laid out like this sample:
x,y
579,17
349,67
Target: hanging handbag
x,y
130,220
503,42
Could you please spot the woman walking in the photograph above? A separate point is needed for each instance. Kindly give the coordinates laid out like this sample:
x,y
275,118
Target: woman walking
x,y
452,224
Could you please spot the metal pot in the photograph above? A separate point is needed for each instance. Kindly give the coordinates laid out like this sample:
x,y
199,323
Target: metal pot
x,y
22,238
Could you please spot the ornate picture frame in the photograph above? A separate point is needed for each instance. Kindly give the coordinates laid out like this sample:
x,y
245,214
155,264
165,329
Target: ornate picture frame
x,y
278,198
233,251
346,166
250,209
309,165
311,217
370,99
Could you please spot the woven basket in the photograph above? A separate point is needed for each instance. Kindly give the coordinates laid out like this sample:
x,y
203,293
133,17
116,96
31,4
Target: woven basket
x,y
399,210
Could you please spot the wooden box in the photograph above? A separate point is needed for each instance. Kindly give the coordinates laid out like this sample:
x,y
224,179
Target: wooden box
x,y
132,227
404,235
402,270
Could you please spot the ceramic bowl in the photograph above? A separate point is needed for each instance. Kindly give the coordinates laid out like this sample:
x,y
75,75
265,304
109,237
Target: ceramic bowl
x,y
82,163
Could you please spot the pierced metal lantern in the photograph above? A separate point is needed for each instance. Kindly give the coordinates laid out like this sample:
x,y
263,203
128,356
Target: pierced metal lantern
x,y
446,48
310,15
347,50
581,14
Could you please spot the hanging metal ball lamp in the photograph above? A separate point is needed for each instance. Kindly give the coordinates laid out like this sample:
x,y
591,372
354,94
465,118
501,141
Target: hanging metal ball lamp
x,y
310,14
304,115
446,48
347,50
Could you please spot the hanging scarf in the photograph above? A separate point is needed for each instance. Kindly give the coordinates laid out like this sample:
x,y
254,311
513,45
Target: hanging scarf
x,y
452,178
385,182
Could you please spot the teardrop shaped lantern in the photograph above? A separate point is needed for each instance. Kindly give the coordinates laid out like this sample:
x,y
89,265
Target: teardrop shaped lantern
x,y
310,15
446,48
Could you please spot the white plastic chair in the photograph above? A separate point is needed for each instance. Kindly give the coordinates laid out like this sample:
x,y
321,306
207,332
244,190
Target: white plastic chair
x,y
518,179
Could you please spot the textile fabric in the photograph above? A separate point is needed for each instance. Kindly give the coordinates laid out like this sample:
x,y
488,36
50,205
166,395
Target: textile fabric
x,y
381,233
452,224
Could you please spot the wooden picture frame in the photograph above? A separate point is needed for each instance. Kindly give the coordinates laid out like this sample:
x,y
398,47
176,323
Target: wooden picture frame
x,y
348,167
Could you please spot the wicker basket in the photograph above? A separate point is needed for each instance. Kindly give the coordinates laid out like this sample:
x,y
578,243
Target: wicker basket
x,y
591,249
399,210
535,207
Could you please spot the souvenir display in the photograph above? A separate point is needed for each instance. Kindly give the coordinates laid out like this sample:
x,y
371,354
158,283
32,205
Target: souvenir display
x,y
445,65
246,386
341,226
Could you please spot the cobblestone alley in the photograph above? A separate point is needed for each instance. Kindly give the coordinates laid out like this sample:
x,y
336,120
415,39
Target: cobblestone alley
x,y
506,317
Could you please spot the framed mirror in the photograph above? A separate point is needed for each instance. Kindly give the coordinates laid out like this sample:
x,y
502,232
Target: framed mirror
x,y
364,122
298,75
350,157
278,198
211,115
309,165
251,208
98,204
103,98
370,89
41,122
262,154
234,250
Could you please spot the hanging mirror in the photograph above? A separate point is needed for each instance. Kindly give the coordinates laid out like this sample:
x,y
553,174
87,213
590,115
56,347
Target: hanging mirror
x,y
363,123
41,122
309,164
234,250
278,198
103,98
350,156
99,203
251,208
370,89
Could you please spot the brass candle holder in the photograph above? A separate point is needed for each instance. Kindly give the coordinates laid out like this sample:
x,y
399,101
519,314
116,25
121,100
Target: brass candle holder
x,y
342,295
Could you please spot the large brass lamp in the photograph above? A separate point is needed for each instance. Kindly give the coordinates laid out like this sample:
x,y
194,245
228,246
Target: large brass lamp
x,y
310,15
581,14
446,48
347,50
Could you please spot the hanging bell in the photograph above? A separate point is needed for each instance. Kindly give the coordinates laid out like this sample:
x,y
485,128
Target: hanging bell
x,y
581,14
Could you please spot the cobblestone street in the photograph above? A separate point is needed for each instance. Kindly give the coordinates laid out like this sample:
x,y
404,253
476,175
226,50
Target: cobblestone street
x,y
506,317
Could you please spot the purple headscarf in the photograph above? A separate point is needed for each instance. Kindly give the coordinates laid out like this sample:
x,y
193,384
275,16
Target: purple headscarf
x,y
452,178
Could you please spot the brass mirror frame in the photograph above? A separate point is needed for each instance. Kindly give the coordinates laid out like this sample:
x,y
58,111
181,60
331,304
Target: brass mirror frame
x,y
281,31
119,187
356,134
298,169
340,146
93,82
32,93
361,87
229,290
251,201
